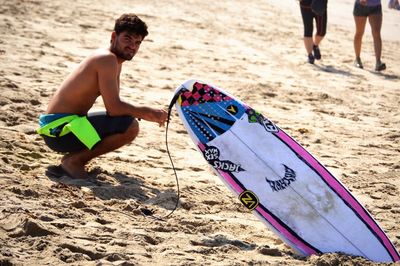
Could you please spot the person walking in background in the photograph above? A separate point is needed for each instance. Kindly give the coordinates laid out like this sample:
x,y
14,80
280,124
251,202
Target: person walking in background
x,y
394,4
371,9
311,10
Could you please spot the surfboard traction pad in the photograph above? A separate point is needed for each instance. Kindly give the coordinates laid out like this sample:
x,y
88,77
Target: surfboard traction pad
x,y
210,113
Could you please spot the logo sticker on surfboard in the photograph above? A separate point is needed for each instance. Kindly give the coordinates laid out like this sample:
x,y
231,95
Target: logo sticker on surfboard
x,y
211,154
257,117
232,109
284,182
249,199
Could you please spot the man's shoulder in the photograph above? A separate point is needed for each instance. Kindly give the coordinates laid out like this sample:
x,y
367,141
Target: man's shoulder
x,y
103,56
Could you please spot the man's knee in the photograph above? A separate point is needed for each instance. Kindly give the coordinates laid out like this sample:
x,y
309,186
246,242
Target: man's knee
x,y
132,131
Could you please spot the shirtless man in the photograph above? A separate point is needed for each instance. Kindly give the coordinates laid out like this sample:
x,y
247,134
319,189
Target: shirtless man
x,y
68,127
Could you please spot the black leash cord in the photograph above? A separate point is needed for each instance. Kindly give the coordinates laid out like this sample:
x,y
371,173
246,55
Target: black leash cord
x,y
173,168
148,213
174,99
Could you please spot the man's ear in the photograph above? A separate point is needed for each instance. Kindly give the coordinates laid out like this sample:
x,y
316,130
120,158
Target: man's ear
x,y
113,36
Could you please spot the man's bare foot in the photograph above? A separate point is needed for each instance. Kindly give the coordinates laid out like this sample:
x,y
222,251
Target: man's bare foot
x,y
73,168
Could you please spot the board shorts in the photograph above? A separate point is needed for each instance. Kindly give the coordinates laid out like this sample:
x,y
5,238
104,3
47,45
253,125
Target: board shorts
x,y
365,11
103,124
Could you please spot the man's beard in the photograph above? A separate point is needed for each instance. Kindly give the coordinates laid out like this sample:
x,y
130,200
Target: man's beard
x,y
121,54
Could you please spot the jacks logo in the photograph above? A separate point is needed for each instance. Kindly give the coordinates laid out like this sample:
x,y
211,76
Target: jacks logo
x,y
283,183
249,199
211,154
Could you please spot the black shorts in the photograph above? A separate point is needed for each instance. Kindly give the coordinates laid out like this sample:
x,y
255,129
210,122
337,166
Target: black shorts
x,y
365,11
104,124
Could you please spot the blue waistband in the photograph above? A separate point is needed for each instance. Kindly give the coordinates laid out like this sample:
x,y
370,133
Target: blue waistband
x,y
47,118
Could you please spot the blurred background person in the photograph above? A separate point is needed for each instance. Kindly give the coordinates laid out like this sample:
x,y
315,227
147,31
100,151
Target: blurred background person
x,y
310,11
371,10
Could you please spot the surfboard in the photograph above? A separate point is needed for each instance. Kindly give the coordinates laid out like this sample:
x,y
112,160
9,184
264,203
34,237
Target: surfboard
x,y
278,179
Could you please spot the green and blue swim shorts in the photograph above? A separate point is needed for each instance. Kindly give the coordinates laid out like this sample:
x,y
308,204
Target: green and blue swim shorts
x,y
70,132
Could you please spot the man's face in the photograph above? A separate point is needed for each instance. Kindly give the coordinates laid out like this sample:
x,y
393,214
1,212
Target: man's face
x,y
125,45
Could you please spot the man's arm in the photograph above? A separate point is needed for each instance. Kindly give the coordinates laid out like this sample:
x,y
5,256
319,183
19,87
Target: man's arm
x,y
108,72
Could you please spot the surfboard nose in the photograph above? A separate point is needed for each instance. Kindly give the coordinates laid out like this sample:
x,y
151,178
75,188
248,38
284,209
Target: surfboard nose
x,y
190,82
186,85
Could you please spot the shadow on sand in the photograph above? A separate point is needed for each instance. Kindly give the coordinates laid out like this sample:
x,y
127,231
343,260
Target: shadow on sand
x,y
332,69
119,186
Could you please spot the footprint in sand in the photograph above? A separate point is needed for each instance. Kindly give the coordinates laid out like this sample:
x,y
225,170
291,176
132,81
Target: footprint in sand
x,y
18,226
222,240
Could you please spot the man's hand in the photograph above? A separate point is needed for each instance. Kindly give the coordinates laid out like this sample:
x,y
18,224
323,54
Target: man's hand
x,y
363,2
160,116
150,114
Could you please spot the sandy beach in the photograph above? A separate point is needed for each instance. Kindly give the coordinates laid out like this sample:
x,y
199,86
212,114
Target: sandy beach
x,y
347,117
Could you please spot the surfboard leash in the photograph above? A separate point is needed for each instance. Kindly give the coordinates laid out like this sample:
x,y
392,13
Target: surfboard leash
x,y
146,212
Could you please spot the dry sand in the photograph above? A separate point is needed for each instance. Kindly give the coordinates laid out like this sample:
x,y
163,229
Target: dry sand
x,y
347,117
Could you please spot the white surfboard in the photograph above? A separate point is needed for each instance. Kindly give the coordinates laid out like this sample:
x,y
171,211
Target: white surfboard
x,y
276,178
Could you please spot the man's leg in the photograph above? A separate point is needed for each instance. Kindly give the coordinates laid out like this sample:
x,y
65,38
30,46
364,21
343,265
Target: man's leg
x,y
74,163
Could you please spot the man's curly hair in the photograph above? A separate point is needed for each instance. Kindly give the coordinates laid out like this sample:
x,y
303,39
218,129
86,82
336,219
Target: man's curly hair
x,y
131,24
